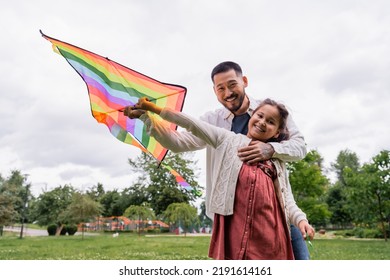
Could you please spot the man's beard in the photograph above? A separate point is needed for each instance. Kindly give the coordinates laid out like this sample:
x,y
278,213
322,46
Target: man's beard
x,y
237,107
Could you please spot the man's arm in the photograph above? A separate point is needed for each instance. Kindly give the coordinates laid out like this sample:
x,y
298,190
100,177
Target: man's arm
x,y
292,149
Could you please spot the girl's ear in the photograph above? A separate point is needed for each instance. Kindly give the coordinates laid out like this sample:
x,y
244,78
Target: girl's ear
x,y
277,134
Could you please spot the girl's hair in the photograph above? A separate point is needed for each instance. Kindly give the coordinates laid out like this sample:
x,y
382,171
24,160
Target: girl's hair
x,y
283,112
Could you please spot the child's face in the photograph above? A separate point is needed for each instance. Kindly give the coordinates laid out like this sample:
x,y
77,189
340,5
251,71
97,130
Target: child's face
x,y
264,123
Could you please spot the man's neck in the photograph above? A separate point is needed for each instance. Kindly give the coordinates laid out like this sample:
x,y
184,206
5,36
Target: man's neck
x,y
244,107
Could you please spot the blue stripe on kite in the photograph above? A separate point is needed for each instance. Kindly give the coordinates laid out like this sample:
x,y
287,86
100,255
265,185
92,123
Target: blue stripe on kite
x,y
138,129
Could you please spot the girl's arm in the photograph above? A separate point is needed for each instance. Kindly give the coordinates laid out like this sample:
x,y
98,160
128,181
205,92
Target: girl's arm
x,y
297,216
176,141
145,104
212,135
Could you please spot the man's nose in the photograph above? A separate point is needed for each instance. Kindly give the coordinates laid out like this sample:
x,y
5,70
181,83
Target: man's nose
x,y
228,92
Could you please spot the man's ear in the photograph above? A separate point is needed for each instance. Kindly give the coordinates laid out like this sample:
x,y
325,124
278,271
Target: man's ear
x,y
245,80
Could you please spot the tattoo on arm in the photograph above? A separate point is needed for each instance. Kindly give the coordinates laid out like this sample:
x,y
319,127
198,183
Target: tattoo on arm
x,y
268,151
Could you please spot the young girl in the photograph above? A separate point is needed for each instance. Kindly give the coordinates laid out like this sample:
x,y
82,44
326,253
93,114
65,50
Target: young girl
x,y
253,204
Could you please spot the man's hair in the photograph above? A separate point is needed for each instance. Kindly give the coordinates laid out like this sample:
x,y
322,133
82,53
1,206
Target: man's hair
x,y
224,67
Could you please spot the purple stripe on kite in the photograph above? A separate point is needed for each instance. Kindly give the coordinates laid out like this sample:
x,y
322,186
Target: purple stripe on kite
x,y
114,102
85,72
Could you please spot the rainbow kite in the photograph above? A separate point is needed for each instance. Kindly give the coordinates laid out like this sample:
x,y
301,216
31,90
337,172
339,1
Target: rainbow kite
x,y
112,87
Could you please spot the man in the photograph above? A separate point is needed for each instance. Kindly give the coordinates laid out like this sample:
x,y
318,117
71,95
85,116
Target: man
x,y
229,86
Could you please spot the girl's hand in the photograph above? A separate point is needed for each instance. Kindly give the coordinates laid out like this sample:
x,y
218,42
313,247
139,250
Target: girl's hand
x,y
143,103
306,230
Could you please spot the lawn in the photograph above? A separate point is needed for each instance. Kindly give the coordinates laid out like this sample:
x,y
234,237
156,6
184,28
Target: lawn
x,y
163,247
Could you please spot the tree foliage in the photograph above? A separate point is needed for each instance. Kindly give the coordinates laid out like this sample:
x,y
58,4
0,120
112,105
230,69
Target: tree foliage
x,y
14,197
369,192
337,199
181,214
81,209
309,187
141,213
338,204
160,185
204,220
51,205
110,200
96,192
345,159
8,214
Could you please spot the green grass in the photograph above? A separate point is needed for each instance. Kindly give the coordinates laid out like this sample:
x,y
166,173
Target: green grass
x,y
348,249
104,247
132,247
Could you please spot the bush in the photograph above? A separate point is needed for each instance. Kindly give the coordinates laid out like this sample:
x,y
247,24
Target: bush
x,y
71,229
52,229
164,230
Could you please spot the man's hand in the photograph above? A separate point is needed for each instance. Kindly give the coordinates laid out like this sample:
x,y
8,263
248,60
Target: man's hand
x,y
256,151
133,113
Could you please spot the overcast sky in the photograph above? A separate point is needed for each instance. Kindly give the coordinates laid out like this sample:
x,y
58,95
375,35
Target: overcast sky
x,y
327,60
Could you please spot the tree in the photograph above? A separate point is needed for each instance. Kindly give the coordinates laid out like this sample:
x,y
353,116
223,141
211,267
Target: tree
x,y
181,214
369,190
14,196
345,159
339,206
50,206
8,214
81,209
161,185
141,213
204,220
96,192
110,204
134,195
7,202
337,199
309,187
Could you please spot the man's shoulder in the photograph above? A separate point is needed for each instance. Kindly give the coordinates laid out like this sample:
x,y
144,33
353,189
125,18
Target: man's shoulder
x,y
215,116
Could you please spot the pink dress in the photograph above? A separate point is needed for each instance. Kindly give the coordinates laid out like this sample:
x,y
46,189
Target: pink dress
x,y
257,229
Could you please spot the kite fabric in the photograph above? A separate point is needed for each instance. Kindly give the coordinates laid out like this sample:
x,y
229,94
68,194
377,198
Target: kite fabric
x,y
112,87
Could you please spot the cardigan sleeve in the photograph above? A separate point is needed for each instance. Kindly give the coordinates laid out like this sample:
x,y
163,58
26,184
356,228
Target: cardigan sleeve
x,y
210,134
176,141
199,133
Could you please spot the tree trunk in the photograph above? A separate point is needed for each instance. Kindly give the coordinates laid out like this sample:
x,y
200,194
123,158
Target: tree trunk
x,y
59,229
